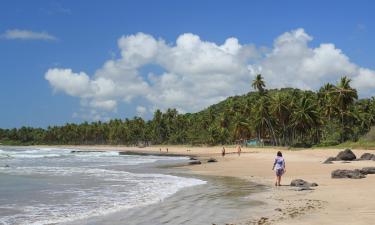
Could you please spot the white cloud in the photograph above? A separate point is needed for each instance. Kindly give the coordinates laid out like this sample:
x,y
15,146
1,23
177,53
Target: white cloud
x,y
74,84
141,110
199,73
293,63
365,81
108,105
27,35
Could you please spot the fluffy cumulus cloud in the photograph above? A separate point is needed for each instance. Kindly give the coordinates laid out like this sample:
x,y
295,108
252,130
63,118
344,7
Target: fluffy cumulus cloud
x,y
293,63
27,35
197,73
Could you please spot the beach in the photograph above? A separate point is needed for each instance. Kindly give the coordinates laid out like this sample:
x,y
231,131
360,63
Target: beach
x,y
334,201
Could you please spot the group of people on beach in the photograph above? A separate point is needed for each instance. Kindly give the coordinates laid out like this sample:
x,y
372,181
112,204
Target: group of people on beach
x,y
238,149
278,165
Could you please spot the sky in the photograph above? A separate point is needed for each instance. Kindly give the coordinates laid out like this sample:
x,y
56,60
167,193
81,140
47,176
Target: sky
x,y
74,61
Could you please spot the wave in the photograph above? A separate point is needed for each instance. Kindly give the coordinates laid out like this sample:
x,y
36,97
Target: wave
x,y
108,191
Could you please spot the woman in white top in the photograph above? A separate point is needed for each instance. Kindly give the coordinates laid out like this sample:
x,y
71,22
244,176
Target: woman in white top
x,y
279,167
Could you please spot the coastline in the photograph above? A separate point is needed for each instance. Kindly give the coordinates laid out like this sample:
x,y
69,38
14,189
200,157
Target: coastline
x,y
334,201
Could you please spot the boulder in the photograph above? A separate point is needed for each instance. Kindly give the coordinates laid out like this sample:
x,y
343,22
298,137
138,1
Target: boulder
x,y
211,160
196,162
367,156
193,158
352,174
368,170
298,183
329,160
302,183
346,155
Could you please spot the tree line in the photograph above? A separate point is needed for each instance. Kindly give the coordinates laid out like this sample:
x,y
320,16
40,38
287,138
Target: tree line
x,y
280,117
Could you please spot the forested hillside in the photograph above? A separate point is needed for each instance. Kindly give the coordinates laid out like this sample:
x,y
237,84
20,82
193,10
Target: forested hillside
x,y
285,117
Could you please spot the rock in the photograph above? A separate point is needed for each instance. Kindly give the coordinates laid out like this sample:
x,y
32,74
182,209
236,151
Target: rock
x,y
278,209
367,156
196,162
211,160
329,160
346,155
298,183
368,170
193,158
302,183
352,174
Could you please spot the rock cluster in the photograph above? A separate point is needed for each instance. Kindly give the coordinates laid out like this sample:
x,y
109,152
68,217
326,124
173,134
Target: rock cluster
x,y
346,155
302,185
353,174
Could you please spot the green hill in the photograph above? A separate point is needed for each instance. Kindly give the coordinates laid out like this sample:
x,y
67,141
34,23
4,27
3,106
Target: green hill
x,y
283,117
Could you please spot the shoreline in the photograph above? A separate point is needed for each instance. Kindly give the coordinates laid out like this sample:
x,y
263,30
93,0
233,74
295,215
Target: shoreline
x,y
334,201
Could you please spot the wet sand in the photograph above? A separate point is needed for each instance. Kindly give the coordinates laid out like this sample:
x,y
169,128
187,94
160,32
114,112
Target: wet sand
x,y
218,201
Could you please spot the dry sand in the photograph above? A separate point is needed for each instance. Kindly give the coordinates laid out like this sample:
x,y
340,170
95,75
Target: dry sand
x,y
334,201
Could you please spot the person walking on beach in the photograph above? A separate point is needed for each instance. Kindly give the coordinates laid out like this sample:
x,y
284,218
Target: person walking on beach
x,y
223,152
279,167
239,150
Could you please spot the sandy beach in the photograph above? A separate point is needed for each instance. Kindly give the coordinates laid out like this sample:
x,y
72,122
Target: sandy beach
x,y
334,201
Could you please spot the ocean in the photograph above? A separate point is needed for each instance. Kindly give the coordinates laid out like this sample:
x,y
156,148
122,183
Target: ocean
x,y
52,185
45,186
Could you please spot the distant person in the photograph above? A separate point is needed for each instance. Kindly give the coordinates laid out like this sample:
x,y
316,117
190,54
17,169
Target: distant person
x,y
239,150
223,152
167,149
160,149
279,167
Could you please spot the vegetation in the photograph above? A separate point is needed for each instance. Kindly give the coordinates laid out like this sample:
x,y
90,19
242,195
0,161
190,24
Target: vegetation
x,y
285,117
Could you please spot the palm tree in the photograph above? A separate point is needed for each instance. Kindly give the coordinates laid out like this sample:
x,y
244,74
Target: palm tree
x,y
281,110
305,116
259,84
262,118
345,97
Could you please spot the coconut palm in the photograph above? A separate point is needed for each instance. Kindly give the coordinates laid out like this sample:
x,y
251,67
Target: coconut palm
x,y
259,84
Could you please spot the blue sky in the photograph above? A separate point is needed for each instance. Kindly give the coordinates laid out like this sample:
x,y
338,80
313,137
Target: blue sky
x,y
80,36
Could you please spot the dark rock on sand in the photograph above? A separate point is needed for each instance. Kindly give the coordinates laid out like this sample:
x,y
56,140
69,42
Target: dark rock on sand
x,y
193,158
211,160
329,160
367,156
352,174
346,155
368,170
302,183
197,162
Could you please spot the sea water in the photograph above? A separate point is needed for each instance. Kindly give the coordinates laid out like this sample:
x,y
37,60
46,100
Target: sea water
x,y
54,185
